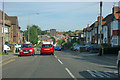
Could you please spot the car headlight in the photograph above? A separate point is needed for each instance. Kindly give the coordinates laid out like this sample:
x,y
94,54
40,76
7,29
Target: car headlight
x,y
21,50
31,50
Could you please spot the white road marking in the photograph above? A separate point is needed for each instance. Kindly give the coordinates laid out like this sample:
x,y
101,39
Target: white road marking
x,y
91,73
108,74
100,74
55,56
60,61
70,73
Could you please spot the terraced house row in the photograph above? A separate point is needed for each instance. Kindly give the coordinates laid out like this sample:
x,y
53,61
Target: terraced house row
x,y
110,29
13,34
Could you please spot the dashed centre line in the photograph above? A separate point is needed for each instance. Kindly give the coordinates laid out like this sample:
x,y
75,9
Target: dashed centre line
x,y
60,61
66,68
70,73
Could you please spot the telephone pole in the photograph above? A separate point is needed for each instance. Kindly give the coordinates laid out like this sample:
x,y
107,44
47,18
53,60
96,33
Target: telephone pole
x,y
100,25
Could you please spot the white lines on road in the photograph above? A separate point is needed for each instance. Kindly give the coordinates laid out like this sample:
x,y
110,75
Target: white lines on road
x,y
66,68
102,74
91,73
70,73
60,61
55,56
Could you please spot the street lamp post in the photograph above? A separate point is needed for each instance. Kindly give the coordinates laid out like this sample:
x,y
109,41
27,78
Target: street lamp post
x,y
29,24
3,28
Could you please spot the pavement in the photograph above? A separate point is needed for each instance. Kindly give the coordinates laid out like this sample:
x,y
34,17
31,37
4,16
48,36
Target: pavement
x,y
64,64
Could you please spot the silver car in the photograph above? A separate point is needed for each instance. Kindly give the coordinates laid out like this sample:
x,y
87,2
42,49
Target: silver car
x,y
118,63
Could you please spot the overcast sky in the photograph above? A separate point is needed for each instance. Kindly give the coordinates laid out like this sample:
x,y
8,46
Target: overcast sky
x,y
62,16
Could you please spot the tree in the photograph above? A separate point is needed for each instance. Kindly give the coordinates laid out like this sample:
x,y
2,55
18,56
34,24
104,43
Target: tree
x,y
33,34
25,33
53,39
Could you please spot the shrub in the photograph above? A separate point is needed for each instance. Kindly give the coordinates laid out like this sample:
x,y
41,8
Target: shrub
x,y
111,50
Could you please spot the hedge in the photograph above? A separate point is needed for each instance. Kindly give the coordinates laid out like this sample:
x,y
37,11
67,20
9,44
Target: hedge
x,y
111,50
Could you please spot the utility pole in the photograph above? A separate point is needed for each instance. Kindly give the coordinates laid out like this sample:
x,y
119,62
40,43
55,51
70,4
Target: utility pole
x,y
100,25
28,26
3,27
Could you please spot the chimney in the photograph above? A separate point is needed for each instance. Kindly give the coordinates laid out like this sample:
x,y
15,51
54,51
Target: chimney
x,y
115,9
99,18
88,25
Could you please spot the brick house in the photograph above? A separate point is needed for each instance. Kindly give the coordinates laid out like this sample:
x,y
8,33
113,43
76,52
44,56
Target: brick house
x,y
7,28
15,29
110,29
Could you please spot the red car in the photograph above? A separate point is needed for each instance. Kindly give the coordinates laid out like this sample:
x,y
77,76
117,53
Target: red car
x,y
27,49
47,48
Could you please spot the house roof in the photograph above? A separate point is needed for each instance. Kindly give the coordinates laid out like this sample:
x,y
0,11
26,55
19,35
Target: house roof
x,y
14,20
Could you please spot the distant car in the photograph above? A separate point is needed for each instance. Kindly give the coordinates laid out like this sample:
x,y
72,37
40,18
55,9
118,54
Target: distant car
x,y
59,48
92,47
77,47
27,49
118,63
47,49
6,48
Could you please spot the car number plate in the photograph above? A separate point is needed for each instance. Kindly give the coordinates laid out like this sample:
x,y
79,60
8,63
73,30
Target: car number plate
x,y
46,49
25,52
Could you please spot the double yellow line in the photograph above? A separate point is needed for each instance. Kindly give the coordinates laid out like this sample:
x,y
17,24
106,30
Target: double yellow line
x,y
8,60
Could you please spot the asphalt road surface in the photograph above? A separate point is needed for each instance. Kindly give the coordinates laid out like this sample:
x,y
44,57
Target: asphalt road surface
x,y
64,64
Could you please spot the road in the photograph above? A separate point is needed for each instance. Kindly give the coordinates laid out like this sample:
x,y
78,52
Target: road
x,y
64,64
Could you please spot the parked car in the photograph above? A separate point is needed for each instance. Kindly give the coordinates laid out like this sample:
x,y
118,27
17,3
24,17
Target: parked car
x,y
47,49
27,49
6,48
93,47
118,63
77,47
58,48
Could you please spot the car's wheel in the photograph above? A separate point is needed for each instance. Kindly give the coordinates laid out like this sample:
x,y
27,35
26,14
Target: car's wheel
x,y
41,53
52,53
19,55
32,54
119,69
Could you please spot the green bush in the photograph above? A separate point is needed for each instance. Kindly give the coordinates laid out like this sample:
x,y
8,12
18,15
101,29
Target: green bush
x,y
105,45
111,50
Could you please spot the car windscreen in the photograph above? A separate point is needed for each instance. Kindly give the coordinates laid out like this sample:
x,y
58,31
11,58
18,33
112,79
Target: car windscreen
x,y
46,45
27,46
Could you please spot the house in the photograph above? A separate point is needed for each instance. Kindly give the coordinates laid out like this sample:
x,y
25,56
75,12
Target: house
x,y
111,28
7,27
110,33
15,29
115,27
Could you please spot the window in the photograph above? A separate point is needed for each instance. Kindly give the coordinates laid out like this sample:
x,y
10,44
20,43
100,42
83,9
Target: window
x,y
27,46
114,40
47,46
